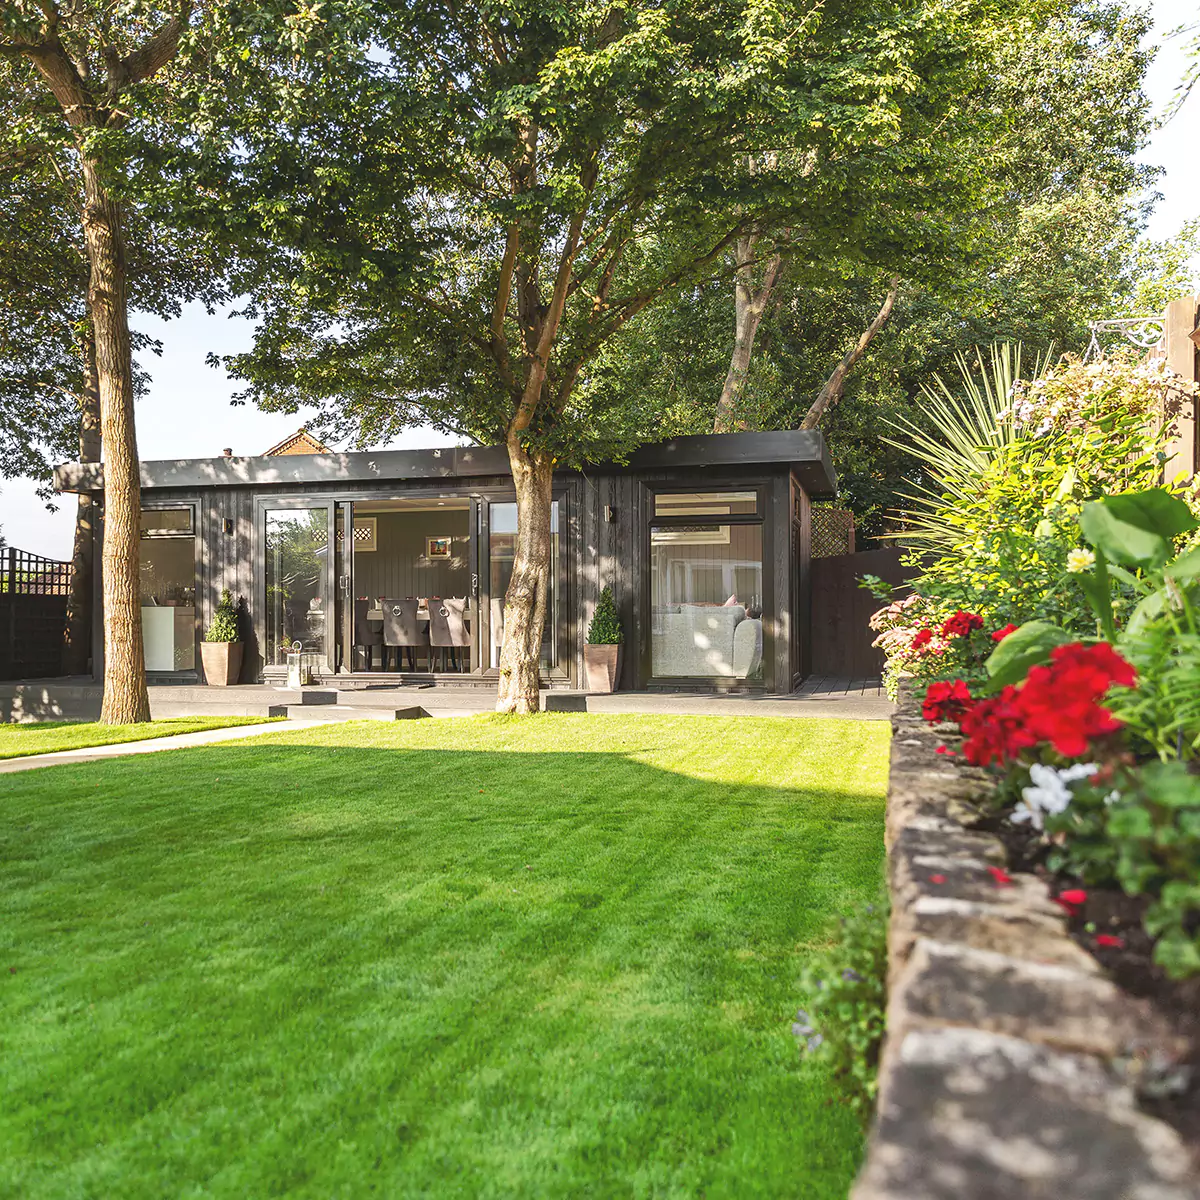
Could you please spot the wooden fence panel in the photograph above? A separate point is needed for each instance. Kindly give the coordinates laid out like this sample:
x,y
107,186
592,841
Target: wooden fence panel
x,y
33,614
841,638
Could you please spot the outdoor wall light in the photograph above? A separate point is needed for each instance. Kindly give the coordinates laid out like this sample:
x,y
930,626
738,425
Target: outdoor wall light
x,y
226,524
610,514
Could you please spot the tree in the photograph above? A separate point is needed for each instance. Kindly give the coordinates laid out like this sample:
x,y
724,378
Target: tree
x,y
1054,244
90,57
458,231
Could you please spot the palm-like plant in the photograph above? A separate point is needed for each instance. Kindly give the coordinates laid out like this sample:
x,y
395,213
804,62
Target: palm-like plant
x,y
972,433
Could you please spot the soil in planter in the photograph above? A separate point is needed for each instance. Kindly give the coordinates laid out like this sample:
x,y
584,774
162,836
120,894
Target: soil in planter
x,y
1110,913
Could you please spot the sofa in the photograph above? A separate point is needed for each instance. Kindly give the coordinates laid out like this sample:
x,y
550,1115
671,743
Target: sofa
x,y
706,641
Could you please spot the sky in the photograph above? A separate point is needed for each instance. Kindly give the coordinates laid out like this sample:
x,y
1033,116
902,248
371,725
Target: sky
x,y
186,412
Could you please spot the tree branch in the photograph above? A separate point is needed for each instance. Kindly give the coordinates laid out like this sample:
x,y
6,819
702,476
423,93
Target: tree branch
x,y
149,59
831,393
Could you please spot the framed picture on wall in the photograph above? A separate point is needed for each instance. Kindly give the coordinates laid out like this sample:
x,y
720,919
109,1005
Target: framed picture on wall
x,y
437,547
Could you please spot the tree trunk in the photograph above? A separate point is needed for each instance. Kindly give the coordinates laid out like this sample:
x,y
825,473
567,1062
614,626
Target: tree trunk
x,y
77,651
749,305
125,698
525,602
835,385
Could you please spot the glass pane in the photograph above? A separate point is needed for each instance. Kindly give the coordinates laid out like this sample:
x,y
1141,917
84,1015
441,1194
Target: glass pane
x,y
706,594
297,607
159,521
167,578
502,537
715,504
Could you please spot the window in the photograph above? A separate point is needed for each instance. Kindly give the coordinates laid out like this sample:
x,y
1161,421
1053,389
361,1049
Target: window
x,y
297,607
684,504
167,580
706,586
502,544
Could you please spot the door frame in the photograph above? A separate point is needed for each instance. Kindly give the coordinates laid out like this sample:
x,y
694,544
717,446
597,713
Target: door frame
x,y
263,505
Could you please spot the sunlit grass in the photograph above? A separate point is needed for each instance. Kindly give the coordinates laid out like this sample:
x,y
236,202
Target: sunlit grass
x,y
49,737
552,956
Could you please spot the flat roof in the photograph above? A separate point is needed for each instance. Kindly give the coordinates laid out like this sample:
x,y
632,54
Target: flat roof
x,y
802,450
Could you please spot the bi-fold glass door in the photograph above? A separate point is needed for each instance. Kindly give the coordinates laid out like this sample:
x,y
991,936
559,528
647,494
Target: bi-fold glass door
x,y
405,549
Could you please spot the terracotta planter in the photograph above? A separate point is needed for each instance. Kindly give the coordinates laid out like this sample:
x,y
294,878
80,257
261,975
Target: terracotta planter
x,y
603,667
222,662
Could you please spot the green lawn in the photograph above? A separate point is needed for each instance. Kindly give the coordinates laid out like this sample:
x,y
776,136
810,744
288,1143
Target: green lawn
x,y
18,741
539,957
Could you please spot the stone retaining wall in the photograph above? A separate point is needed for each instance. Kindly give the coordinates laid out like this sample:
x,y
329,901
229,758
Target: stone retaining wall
x,y
1011,1061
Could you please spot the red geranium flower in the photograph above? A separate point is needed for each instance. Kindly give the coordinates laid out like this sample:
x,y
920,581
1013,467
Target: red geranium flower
x,y
961,624
923,638
994,730
1108,939
946,701
998,635
1099,662
1002,878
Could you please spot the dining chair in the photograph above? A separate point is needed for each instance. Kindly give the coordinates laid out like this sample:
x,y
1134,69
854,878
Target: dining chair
x,y
448,627
367,634
402,630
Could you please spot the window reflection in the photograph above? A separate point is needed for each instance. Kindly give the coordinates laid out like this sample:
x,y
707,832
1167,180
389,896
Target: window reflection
x,y
502,542
706,593
297,542
167,580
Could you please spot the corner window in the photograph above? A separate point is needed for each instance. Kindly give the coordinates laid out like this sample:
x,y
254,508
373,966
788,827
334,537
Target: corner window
x,y
167,579
706,586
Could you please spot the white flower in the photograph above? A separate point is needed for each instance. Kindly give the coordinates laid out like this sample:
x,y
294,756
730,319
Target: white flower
x,y
1049,793
1080,560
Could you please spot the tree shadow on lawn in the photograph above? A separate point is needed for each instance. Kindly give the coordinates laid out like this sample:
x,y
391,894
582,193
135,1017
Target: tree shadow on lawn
x,y
281,967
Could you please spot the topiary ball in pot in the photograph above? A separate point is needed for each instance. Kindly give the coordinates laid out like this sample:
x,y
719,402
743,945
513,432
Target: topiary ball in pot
x,y
602,654
221,650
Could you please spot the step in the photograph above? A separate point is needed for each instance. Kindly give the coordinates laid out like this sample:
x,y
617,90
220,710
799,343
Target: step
x,y
346,712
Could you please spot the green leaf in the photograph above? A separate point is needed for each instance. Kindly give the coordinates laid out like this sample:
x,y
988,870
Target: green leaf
x,y
1186,566
1136,528
1025,648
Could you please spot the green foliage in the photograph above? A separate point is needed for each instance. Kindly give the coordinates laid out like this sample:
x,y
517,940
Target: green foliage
x,y
1057,246
1026,647
411,236
1142,829
1162,714
224,625
605,629
846,994
1001,521
1136,529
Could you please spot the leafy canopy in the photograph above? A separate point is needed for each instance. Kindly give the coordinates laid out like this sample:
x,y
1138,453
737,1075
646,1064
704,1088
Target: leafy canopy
x,y
452,222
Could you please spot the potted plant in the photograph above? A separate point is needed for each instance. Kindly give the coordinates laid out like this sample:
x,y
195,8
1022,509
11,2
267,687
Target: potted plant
x,y
602,654
221,650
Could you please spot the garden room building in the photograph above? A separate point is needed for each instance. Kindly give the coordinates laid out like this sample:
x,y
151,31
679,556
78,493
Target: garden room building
x,y
392,566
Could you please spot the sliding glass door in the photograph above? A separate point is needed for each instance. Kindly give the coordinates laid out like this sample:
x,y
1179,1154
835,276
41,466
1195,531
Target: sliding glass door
x,y
300,610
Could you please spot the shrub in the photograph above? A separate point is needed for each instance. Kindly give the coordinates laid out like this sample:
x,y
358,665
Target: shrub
x,y
998,527
605,629
224,625
846,995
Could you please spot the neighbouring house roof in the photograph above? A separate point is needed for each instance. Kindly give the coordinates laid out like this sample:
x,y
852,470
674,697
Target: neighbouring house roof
x,y
300,442
802,450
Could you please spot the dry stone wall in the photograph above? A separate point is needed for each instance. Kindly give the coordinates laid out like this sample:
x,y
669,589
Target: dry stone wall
x,y
1012,1063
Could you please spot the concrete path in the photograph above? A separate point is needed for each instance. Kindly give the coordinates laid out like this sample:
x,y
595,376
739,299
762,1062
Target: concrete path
x,y
178,741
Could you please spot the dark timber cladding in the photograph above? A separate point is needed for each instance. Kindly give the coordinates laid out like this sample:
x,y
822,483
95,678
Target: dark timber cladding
x,y
704,541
